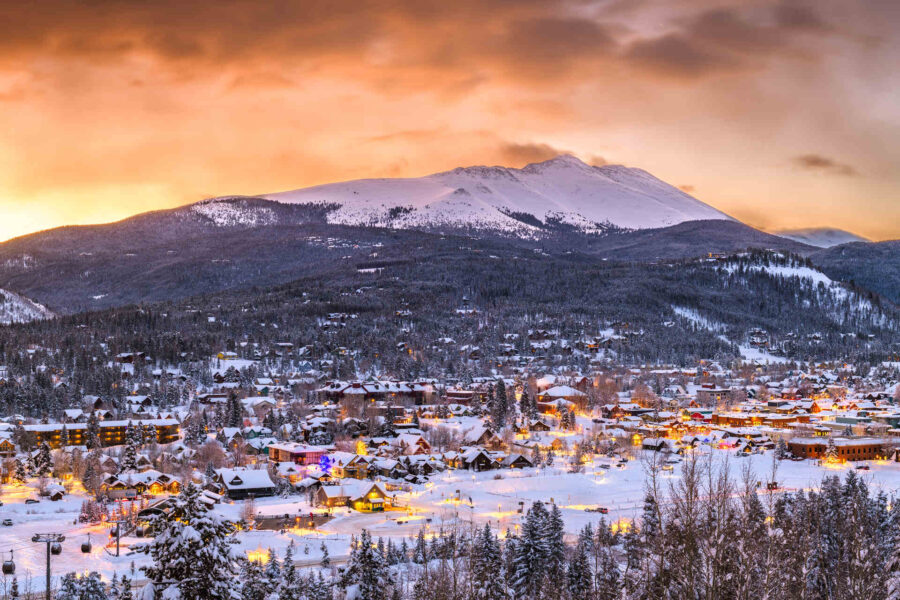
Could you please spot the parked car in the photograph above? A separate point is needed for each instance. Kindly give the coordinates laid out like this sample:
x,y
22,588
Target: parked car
x,y
31,501
600,509
863,467
7,522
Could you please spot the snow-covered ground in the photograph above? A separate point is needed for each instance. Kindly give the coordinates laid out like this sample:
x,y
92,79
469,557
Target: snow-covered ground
x,y
452,498
15,308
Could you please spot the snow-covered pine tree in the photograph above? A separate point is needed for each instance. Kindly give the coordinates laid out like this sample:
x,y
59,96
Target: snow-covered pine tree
x,y
254,585
366,575
125,591
578,575
85,587
292,586
92,434
326,560
129,455
420,552
43,463
487,582
531,554
273,572
556,553
192,554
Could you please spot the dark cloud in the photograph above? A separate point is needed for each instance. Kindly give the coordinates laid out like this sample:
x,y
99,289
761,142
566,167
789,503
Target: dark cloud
x,y
727,39
796,16
518,155
823,164
675,55
597,161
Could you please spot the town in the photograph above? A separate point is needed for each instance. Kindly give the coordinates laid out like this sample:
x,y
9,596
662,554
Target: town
x,y
305,464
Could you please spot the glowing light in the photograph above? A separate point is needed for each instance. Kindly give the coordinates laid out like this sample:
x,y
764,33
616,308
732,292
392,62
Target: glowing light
x,y
258,556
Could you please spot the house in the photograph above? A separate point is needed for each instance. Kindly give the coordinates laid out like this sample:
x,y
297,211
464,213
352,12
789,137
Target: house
x,y
333,496
477,460
240,483
132,484
483,436
301,454
410,443
844,448
7,448
516,461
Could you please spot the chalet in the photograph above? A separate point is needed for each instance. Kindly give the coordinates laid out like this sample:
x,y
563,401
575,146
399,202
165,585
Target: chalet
x,y
361,496
410,443
111,433
477,460
241,482
7,448
132,484
516,461
483,436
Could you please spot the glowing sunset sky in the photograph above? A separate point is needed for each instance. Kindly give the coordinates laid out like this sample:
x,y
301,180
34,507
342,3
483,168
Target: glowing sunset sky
x,y
781,113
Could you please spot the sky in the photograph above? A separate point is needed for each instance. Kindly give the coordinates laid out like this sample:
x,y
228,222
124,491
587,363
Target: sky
x,y
782,113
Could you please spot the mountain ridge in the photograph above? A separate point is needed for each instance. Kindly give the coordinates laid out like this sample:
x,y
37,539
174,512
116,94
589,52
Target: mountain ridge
x,y
821,237
562,190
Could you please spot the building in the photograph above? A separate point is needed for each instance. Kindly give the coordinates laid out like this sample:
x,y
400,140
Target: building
x,y
240,483
111,433
844,448
301,454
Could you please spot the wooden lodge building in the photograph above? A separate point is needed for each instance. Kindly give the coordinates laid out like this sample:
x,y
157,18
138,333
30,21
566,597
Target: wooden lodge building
x,y
846,449
111,433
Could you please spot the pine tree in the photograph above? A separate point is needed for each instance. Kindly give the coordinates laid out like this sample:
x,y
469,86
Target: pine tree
x,y
366,571
253,581
273,572
20,475
326,561
86,587
578,574
420,552
191,553
290,586
556,552
92,434
42,462
125,592
14,589
531,554
129,456
487,583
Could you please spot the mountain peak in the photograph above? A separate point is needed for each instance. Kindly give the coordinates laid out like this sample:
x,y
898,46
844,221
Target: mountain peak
x,y
526,201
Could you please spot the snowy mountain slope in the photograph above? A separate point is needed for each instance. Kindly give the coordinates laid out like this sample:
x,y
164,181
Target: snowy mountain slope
x,y
19,309
560,191
821,237
844,303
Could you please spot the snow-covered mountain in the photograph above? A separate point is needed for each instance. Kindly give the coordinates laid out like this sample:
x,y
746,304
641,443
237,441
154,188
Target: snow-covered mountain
x,y
562,191
19,309
821,237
